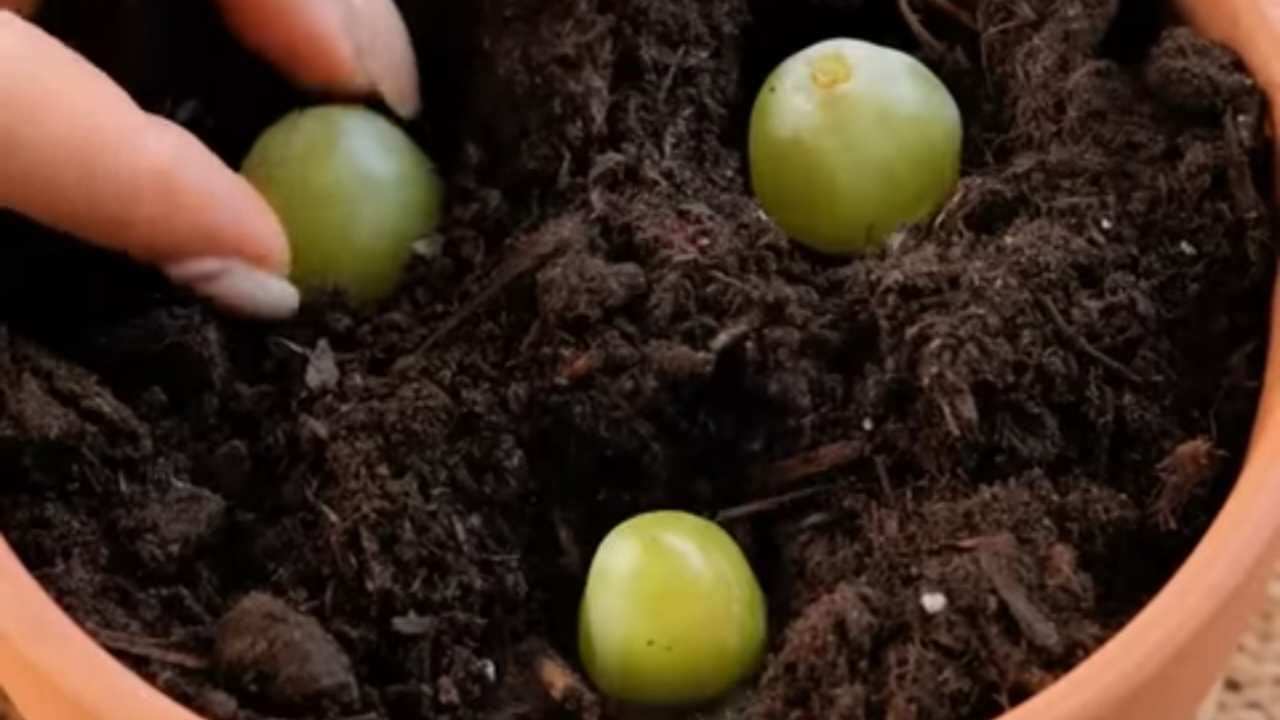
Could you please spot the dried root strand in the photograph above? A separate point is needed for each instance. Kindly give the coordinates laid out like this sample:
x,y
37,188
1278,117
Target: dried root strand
x,y
1184,472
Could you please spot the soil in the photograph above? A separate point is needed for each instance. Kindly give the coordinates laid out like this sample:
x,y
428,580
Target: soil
x,y
958,465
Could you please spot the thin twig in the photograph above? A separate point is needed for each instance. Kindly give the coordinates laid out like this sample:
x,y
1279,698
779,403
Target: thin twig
x,y
886,486
147,648
760,507
960,16
918,29
809,463
671,76
521,265
817,519
733,335
529,257
570,550
1085,347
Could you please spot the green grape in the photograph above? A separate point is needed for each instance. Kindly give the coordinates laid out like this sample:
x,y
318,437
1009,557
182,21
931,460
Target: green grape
x,y
672,614
850,142
354,193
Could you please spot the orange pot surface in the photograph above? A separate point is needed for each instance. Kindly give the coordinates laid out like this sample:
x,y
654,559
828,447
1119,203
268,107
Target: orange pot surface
x,y
1160,666
51,670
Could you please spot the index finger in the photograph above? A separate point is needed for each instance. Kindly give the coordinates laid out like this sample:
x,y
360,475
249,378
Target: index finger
x,y
81,156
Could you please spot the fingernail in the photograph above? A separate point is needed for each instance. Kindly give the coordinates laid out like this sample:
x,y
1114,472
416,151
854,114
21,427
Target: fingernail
x,y
238,287
385,52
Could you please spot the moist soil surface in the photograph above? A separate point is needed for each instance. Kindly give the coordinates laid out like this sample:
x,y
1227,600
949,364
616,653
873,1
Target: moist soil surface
x,y
958,465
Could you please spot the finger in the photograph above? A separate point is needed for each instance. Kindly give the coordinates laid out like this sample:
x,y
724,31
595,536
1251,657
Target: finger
x,y
351,47
80,156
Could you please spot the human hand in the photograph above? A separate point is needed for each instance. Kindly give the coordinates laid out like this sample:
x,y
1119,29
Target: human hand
x,y
1252,29
81,156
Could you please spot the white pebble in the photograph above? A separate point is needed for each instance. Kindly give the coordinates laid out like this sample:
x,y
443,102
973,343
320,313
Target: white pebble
x,y
933,602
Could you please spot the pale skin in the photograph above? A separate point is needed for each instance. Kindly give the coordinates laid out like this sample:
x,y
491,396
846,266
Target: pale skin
x,y
88,161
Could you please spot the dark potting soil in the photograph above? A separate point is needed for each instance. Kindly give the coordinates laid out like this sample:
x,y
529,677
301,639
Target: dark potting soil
x,y
958,465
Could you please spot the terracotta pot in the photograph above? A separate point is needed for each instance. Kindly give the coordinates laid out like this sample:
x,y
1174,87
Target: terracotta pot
x,y
1161,665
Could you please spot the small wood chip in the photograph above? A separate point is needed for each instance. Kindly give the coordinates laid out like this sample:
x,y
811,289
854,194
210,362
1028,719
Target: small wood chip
x,y
145,648
565,687
412,625
579,367
322,368
994,557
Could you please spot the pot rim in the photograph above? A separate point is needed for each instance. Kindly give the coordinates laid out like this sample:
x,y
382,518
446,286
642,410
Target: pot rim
x,y
1165,661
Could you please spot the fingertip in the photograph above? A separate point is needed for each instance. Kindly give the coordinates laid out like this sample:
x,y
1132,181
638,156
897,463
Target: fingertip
x,y
348,47
238,287
386,52
217,235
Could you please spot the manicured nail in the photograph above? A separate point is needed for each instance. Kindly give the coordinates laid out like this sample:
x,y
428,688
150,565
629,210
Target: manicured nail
x,y
238,287
385,52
